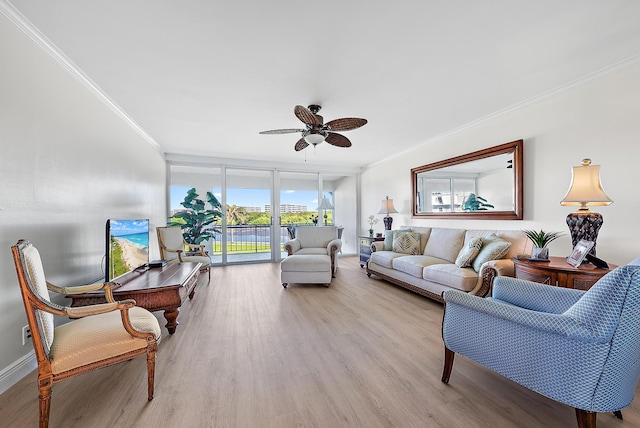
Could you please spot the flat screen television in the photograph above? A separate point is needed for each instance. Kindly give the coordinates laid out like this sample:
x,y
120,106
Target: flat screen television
x,y
127,247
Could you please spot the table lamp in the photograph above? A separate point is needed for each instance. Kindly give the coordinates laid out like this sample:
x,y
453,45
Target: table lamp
x,y
585,190
387,208
324,206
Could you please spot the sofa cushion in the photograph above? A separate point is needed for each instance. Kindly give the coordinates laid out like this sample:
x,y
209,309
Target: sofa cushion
x,y
445,243
406,242
520,244
493,248
469,252
464,279
385,258
413,265
424,232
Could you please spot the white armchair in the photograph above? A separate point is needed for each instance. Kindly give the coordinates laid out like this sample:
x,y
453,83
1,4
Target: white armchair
x,y
321,240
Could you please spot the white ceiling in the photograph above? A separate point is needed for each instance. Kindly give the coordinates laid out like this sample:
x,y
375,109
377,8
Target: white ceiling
x,y
203,77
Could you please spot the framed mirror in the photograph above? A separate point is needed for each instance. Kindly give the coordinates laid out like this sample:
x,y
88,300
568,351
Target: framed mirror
x,y
486,185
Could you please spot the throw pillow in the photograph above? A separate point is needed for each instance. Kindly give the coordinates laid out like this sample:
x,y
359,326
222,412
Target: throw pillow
x,y
388,240
469,252
406,242
493,248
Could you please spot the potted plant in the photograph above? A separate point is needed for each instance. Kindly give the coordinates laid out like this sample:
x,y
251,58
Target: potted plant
x,y
372,221
541,239
195,220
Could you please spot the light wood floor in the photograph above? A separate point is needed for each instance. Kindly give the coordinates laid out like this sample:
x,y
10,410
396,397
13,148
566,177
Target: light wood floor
x,y
248,353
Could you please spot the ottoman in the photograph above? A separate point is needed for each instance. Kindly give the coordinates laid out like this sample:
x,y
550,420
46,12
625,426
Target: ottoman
x,y
306,268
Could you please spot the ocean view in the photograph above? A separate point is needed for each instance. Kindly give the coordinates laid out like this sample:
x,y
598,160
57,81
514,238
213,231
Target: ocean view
x,y
139,239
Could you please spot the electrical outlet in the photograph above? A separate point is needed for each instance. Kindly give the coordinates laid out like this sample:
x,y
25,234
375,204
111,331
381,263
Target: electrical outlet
x,y
26,335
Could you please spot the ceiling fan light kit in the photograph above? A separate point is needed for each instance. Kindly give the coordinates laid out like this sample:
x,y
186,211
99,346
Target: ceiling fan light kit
x,y
316,131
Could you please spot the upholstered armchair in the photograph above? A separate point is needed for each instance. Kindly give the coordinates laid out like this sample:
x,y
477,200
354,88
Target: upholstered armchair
x,y
316,240
99,336
579,348
172,248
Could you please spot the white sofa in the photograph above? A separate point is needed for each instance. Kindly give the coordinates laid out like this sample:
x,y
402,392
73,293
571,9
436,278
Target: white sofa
x,y
318,240
433,269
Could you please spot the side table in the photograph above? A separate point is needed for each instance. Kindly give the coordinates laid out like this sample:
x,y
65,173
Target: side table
x,y
365,247
559,273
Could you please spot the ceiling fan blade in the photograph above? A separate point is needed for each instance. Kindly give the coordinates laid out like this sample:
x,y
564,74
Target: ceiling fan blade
x,y
346,123
305,115
282,131
301,145
337,140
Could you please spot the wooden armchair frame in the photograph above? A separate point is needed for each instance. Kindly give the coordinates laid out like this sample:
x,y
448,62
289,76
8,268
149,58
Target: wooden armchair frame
x,y
33,302
183,256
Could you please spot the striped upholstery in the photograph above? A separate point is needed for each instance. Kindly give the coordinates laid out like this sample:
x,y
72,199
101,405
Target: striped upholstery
x,y
579,348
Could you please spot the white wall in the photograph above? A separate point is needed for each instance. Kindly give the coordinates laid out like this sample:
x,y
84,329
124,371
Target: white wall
x,y
345,213
67,163
597,119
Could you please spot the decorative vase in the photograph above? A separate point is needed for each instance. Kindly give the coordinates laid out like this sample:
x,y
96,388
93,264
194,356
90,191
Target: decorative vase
x,y
370,232
541,253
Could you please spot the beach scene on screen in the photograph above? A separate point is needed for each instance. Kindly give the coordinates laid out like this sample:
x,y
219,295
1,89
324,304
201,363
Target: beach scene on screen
x,y
129,245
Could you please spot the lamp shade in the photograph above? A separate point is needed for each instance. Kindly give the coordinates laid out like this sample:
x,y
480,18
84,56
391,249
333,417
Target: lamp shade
x,y
586,189
325,204
387,207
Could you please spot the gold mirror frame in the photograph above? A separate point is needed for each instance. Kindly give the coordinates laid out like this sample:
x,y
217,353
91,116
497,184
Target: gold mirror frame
x,y
515,147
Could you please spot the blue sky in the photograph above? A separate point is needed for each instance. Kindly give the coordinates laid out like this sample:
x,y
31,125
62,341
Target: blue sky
x,y
251,197
128,227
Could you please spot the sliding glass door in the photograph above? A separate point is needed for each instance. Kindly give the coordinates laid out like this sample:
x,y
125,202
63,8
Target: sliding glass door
x,y
248,215
257,210
205,182
298,202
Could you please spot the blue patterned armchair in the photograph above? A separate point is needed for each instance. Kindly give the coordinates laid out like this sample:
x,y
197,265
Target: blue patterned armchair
x,y
579,348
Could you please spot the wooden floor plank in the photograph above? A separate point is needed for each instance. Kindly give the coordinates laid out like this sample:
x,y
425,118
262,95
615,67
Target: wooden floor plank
x,y
249,353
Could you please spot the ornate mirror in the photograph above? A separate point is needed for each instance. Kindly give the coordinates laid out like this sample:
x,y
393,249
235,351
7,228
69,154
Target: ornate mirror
x,y
486,184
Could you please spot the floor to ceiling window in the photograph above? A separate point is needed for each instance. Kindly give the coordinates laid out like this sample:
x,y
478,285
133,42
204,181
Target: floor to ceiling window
x,y
258,209
248,215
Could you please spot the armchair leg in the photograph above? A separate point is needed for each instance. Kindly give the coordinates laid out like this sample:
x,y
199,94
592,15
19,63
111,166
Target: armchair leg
x,y
618,414
586,419
44,402
151,371
448,364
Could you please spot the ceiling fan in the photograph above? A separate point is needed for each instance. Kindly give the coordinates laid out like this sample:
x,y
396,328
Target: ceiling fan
x,y
316,131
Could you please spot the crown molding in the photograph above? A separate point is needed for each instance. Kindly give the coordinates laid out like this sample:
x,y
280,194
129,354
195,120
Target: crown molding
x,y
23,24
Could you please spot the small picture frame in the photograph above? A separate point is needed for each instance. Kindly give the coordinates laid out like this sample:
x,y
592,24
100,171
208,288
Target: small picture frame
x,y
579,252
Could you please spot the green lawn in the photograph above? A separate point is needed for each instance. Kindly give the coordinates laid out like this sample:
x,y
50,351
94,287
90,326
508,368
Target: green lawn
x,y
244,247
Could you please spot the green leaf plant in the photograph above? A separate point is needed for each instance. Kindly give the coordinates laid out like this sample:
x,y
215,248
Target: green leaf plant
x,y
196,221
541,238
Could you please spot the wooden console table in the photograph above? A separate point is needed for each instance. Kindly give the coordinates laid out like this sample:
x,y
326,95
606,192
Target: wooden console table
x,y
156,289
560,273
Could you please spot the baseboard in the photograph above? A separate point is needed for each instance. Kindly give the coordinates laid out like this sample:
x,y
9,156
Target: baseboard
x,y
16,371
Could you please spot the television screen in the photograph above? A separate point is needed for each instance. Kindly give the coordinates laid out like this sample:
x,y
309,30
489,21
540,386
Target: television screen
x,y
127,246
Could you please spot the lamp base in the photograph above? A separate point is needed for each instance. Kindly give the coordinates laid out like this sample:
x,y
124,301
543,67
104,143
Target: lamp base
x,y
584,225
387,222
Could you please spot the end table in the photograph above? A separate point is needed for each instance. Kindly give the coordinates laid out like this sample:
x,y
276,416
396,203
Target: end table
x,y
365,247
559,273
